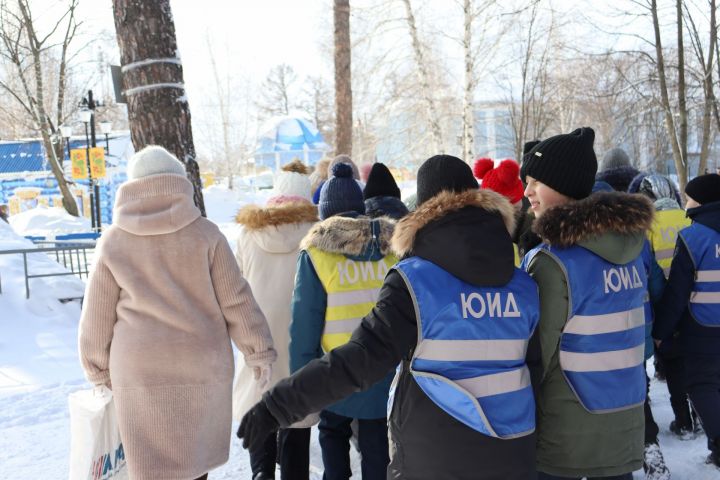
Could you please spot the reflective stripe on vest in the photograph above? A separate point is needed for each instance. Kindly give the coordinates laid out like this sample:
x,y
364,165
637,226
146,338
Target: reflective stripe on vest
x,y
663,236
352,287
703,244
603,342
472,342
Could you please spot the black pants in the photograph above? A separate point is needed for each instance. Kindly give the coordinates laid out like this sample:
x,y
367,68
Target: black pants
x,y
675,377
335,433
651,428
702,373
290,448
294,453
547,476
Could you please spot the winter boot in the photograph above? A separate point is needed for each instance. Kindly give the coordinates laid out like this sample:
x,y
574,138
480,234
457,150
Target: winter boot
x,y
682,426
714,457
682,430
654,463
263,476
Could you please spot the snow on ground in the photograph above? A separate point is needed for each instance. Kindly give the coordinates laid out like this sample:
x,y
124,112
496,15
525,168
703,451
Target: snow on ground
x,y
39,368
44,221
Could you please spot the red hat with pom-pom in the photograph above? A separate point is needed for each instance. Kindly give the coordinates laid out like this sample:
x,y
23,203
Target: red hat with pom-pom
x,y
505,179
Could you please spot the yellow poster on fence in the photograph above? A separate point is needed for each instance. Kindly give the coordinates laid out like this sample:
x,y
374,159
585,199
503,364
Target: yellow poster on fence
x,y
97,162
78,159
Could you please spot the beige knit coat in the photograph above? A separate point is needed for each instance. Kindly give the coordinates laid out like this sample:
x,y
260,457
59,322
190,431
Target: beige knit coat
x,y
267,253
162,303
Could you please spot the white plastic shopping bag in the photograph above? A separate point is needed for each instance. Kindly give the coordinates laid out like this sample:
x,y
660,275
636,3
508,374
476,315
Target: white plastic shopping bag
x,y
96,451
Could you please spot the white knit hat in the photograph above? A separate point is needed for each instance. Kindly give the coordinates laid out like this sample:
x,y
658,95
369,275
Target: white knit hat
x,y
154,160
292,183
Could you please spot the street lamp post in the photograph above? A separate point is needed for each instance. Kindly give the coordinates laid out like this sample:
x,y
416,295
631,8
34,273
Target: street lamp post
x,y
66,133
89,105
106,128
86,117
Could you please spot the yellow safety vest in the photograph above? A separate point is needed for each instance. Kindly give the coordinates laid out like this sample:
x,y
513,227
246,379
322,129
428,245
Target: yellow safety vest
x,y
352,288
663,235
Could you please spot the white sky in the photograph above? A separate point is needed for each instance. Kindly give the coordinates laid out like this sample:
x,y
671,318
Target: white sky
x,y
251,36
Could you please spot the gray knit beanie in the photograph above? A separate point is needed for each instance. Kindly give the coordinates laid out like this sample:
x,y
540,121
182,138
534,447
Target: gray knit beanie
x,y
615,157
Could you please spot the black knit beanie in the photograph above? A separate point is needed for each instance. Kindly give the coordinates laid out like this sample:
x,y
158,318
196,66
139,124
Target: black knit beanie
x,y
704,189
566,163
443,172
380,183
529,146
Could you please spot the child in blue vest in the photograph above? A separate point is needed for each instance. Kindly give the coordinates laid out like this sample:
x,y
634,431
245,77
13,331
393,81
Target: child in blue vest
x,y
593,286
690,307
456,319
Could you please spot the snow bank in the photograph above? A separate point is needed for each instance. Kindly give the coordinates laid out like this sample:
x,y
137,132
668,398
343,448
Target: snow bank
x,y
38,336
44,221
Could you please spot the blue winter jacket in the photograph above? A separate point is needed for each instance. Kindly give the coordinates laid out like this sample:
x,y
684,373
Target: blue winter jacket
x,y
672,316
656,286
310,300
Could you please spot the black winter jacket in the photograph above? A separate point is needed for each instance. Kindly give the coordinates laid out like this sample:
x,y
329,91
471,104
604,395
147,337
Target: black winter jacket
x,y
467,235
672,316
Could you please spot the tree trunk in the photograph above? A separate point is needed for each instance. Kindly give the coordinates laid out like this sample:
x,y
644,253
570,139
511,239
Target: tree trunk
x,y
682,97
468,119
41,116
433,118
708,90
665,100
158,109
343,79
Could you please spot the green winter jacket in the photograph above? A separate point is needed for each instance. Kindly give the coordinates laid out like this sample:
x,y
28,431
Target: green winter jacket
x,y
571,441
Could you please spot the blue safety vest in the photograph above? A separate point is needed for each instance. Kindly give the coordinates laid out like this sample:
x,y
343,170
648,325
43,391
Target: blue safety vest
x,y
647,258
703,244
472,341
602,345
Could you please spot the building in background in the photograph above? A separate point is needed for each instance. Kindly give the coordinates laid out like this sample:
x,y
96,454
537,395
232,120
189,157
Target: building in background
x,y
26,180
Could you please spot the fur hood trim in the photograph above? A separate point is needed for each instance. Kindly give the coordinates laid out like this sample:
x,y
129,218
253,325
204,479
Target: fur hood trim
x,y
254,217
598,214
444,203
349,236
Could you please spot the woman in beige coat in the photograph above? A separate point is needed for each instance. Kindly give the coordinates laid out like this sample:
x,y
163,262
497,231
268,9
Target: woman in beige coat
x,y
161,306
267,253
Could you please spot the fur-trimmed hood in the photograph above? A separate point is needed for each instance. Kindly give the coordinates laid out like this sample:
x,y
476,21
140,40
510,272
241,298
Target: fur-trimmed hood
x,y
466,234
277,229
351,236
254,217
601,214
441,205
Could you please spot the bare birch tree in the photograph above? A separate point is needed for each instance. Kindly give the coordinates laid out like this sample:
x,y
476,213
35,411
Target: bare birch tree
x,y
26,50
705,61
529,115
674,128
277,95
433,118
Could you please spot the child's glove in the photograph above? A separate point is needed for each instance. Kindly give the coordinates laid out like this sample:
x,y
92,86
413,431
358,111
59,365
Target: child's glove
x,y
256,426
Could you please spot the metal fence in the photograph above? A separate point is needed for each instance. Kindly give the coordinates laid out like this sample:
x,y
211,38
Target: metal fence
x,y
75,256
